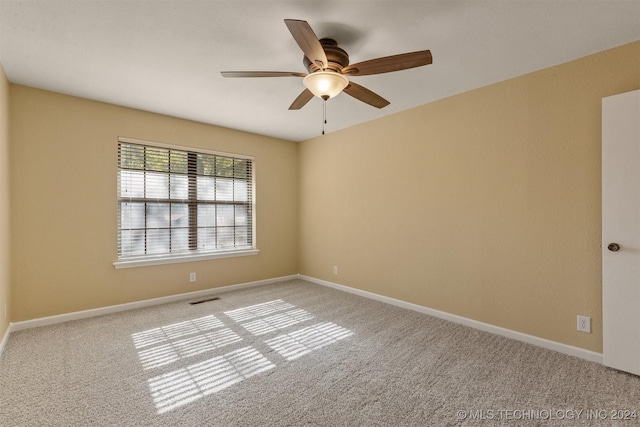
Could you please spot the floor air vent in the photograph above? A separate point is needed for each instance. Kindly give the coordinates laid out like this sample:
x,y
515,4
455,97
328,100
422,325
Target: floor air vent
x,y
204,300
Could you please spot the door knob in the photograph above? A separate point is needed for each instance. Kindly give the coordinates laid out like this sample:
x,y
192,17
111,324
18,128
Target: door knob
x,y
613,247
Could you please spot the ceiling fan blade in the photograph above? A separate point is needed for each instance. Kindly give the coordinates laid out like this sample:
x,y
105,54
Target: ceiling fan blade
x,y
301,100
261,74
308,41
365,95
388,64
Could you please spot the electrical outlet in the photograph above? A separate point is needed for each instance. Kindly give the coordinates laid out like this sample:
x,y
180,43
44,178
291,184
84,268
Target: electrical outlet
x,y
584,324
192,277
335,269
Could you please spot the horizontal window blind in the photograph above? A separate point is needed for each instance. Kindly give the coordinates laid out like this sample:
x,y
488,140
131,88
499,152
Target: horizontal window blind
x,y
181,202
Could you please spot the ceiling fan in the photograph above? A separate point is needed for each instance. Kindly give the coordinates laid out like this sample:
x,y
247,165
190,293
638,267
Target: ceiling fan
x,y
329,68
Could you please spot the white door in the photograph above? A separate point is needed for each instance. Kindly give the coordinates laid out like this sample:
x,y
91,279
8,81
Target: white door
x,y
621,231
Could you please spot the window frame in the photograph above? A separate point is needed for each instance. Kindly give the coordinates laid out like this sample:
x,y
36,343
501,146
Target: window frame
x,y
192,255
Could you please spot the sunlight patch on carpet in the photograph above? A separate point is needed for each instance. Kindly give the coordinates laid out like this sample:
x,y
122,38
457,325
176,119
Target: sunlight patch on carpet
x,y
175,330
276,322
171,344
161,355
259,310
167,344
185,385
303,341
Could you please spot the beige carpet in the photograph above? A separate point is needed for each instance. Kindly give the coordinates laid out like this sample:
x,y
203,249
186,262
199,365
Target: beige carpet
x,y
293,354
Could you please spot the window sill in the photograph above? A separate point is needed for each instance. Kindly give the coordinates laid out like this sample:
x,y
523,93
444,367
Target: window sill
x,y
143,262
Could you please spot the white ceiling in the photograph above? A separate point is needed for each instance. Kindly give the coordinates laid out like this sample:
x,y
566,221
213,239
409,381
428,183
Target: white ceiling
x,y
166,56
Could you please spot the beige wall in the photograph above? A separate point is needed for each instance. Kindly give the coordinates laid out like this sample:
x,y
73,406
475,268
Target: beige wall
x,y
63,207
5,276
485,205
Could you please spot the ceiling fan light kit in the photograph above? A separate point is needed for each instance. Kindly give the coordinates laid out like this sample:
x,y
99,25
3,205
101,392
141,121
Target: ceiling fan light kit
x,y
325,84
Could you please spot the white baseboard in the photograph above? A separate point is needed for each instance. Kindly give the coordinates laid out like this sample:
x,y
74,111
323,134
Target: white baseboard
x,y
43,321
530,339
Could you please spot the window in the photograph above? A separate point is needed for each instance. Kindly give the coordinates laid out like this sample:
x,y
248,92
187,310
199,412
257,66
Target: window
x,y
177,204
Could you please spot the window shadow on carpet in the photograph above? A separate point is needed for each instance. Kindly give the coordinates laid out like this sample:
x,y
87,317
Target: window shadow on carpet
x,y
279,325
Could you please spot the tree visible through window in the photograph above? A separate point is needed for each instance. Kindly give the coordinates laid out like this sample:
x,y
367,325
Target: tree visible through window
x,y
173,201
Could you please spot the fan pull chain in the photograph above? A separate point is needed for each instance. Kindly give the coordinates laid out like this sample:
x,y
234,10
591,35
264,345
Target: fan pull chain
x,y
324,114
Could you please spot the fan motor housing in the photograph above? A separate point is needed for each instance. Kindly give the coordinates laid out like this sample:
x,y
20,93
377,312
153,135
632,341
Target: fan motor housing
x,y
337,57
